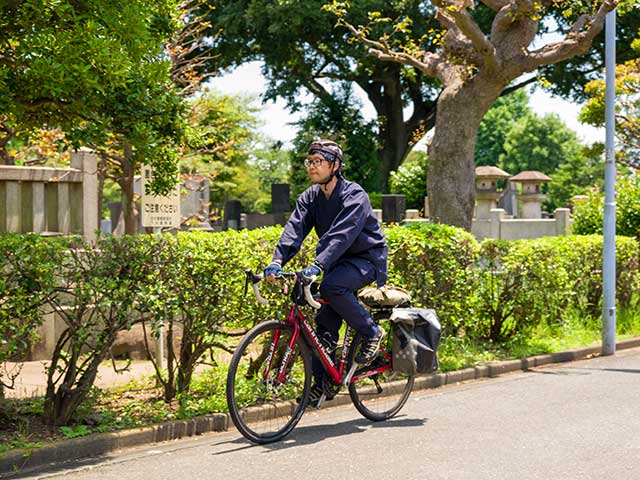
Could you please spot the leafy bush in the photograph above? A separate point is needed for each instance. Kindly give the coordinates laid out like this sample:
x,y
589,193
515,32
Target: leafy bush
x,y
199,292
195,282
27,265
436,264
526,283
98,289
410,179
588,218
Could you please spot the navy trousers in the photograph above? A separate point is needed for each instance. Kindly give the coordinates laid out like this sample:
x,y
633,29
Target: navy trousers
x,y
339,287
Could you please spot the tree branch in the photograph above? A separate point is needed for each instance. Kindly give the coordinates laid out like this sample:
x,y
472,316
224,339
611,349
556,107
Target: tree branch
x,y
495,5
460,19
575,43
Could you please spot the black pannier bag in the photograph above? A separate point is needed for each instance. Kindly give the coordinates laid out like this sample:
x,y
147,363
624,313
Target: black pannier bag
x,y
416,336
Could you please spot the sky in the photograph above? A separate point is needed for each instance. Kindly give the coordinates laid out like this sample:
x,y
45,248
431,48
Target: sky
x,y
247,79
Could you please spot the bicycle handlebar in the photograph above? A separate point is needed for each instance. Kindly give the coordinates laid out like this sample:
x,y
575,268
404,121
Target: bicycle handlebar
x,y
306,281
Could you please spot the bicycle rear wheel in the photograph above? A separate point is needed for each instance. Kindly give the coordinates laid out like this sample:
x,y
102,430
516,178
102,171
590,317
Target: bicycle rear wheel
x,y
380,392
261,407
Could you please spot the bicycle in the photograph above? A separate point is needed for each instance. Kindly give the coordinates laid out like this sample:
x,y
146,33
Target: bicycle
x,y
269,377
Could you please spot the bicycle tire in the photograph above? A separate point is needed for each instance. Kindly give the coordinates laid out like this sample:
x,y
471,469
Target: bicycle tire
x,y
394,395
244,367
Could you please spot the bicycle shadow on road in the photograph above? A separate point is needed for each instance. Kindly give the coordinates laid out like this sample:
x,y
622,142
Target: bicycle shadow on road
x,y
311,434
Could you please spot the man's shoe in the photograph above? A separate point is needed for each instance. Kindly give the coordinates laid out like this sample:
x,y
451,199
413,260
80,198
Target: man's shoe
x,y
370,347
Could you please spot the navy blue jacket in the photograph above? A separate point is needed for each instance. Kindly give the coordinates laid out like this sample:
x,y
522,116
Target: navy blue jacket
x,y
345,224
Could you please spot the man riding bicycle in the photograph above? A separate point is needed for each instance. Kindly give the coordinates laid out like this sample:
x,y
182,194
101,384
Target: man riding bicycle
x,y
351,251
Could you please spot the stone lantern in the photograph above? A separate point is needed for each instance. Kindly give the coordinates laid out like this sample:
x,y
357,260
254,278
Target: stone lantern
x,y
531,196
487,193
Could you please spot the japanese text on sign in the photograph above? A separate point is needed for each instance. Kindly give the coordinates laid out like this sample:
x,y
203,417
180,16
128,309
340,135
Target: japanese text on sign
x,y
159,211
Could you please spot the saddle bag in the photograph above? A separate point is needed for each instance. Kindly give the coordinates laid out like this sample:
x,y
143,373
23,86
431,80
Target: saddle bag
x,y
416,336
387,296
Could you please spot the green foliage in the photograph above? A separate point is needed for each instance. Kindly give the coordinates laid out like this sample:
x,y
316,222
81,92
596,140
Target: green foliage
x,y
436,264
28,264
302,51
75,431
227,148
59,58
574,176
512,137
627,117
410,179
496,125
588,218
528,283
535,143
99,287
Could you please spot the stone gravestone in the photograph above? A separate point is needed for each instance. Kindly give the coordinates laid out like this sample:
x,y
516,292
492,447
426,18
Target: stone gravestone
x,y
280,202
393,208
194,203
232,214
115,212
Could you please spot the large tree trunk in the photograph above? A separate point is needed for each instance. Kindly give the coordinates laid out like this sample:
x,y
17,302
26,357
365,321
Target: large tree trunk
x,y
396,136
126,183
451,175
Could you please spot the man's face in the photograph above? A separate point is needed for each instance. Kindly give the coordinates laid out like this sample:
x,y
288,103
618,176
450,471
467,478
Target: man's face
x,y
319,168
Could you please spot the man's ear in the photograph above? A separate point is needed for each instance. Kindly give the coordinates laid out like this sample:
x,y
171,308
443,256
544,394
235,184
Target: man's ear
x,y
336,166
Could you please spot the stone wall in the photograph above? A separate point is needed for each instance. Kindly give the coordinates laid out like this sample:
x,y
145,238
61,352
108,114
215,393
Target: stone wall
x,y
51,200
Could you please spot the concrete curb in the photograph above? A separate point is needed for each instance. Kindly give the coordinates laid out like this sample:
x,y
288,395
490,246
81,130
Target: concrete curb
x,y
21,461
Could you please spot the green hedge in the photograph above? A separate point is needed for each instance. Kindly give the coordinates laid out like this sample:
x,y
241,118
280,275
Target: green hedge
x,y
27,266
436,263
526,282
195,280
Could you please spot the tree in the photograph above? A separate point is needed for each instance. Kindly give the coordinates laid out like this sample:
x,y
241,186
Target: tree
x,y
497,123
475,63
57,59
627,116
100,72
302,51
409,180
535,143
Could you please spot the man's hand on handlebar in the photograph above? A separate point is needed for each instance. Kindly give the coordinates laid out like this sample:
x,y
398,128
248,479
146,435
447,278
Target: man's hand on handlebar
x,y
273,270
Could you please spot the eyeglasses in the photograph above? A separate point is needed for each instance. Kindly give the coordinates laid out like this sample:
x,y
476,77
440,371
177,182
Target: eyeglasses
x,y
313,162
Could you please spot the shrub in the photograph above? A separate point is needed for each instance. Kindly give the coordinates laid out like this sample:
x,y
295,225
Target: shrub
x,y
199,292
410,179
588,218
436,264
528,282
27,265
99,287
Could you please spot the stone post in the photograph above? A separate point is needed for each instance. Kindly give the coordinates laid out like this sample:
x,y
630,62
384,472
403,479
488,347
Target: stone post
x,y
280,201
87,162
563,221
496,215
232,214
393,208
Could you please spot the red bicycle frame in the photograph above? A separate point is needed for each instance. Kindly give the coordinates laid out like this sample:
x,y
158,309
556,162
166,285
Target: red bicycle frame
x,y
337,373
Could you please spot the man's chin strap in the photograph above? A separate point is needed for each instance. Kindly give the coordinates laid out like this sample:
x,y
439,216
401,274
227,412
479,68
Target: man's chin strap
x,y
331,175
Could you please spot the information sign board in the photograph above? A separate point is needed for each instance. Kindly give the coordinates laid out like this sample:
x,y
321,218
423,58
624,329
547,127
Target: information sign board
x,y
159,211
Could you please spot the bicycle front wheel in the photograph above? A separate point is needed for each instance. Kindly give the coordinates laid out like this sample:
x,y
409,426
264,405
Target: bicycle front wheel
x,y
377,391
268,385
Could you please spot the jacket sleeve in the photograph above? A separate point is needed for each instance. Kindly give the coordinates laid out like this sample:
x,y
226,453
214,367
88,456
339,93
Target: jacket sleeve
x,y
344,231
295,231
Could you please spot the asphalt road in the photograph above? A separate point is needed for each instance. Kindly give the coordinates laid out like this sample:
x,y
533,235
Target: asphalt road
x,y
577,420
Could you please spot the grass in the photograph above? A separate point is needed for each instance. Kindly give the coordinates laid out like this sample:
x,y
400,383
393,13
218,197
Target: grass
x,y
140,402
